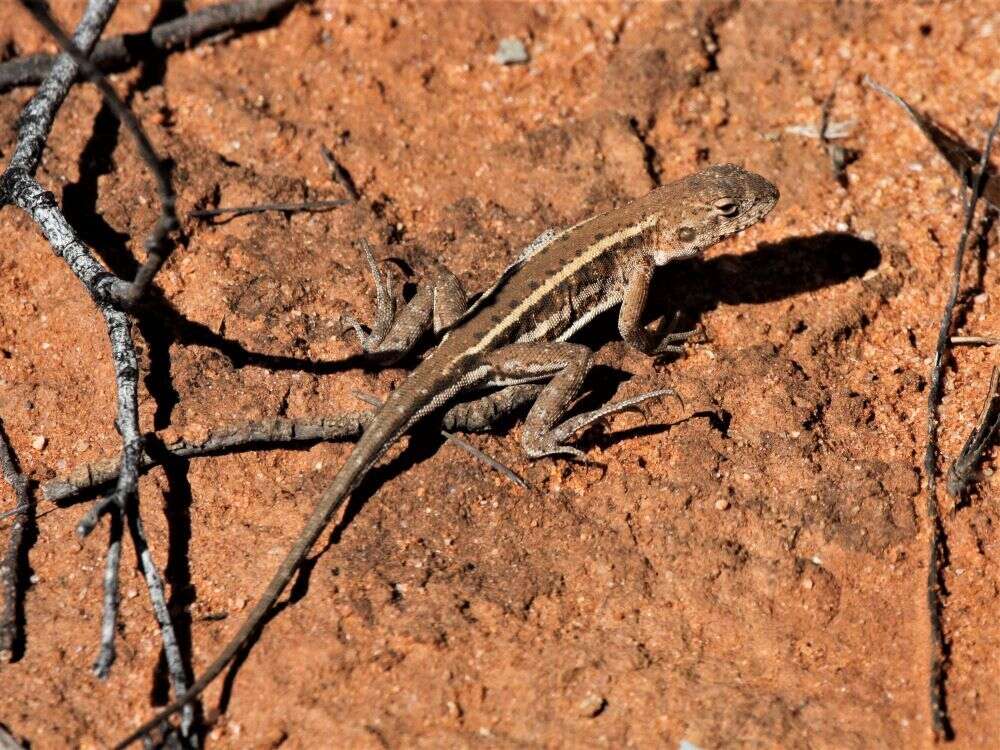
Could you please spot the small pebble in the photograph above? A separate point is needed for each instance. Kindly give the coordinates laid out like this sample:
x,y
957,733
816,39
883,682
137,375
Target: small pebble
x,y
722,504
592,705
807,583
511,51
38,442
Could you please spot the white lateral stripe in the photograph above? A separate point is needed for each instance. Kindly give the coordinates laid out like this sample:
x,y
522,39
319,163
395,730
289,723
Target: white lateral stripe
x,y
588,316
565,272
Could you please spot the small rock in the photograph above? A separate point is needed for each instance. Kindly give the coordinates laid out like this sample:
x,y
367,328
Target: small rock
x,y
722,504
511,51
80,446
38,442
592,705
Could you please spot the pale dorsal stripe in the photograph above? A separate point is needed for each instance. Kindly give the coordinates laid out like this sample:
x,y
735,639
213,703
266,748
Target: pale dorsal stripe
x,y
589,254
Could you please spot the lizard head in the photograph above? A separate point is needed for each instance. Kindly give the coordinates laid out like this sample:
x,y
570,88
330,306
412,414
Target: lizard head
x,y
707,207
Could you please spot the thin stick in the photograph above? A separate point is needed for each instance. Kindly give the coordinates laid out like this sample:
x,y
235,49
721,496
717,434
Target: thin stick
x,y
953,151
158,247
485,458
109,602
10,569
254,435
123,499
262,207
939,715
974,341
960,475
340,174
158,600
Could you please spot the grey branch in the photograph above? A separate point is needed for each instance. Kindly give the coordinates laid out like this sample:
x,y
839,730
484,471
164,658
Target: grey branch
x,y
264,433
158,600
462,417
18,186
121,52
158,246
10,572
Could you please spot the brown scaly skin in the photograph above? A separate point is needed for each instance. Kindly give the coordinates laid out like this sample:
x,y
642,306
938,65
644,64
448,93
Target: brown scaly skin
x,y
516,333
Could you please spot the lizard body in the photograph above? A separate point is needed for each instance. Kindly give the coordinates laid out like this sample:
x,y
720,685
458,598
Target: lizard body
x,y
516,332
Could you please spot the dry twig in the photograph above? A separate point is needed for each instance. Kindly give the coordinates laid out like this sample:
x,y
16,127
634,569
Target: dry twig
x,y
262,207
254,435
937,546
158,246
10,569
122,52
959,157
111,295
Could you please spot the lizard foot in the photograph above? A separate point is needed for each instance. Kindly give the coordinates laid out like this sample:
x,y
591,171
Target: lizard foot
x,y
551,442
385,307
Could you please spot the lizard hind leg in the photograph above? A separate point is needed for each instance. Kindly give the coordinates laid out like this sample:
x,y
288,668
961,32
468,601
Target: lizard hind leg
x,y
567,365
437,304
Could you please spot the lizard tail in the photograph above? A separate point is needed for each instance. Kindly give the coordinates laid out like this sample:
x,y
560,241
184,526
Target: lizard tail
x,y
388,424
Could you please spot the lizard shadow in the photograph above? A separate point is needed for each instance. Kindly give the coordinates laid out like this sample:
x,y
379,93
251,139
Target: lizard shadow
x,y
772,272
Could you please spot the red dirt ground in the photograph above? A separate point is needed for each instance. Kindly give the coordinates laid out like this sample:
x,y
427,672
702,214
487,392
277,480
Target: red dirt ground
x,y
751,579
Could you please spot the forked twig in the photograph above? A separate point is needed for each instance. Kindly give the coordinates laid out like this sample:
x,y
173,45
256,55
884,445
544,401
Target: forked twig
x,y
936,553
110,294
157,244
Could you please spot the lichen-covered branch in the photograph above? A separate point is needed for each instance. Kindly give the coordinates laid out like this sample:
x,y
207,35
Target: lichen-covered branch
x,y
158,244
111,295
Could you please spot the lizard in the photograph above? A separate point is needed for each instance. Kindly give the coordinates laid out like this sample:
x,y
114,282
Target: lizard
x,y
515,334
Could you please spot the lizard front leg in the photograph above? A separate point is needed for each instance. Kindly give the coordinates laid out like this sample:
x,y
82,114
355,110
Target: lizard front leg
x,y
630,325
567,365
437,304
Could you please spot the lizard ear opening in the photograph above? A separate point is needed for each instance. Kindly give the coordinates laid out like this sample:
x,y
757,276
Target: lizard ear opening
x,y
686,234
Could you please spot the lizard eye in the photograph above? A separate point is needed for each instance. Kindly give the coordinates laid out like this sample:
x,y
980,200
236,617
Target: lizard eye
x,y
726,207
686,234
